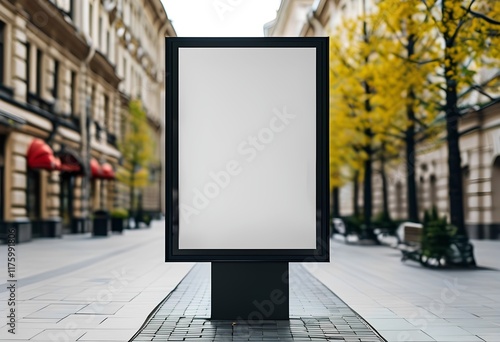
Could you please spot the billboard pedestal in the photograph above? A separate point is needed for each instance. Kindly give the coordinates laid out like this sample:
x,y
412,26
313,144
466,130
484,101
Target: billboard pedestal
x,y
250,291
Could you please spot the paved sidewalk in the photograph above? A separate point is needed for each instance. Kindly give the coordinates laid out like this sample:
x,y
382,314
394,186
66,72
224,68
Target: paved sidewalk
x,y
88,289
102,289
316,314
406,302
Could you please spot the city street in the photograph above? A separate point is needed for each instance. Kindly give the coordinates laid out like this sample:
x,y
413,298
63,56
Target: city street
x,y
88,289
103,289
252,126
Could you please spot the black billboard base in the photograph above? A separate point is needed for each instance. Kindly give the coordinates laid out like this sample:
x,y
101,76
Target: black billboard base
x,y
250,292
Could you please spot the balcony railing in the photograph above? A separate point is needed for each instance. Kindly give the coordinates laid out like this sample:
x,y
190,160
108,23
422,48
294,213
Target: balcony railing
x,y
48,110
37,101
6,91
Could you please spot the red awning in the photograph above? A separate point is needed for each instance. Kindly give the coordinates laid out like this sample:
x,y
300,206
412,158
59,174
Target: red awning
x,y
58,163
107,171
95,169
41,156
69,164
98,171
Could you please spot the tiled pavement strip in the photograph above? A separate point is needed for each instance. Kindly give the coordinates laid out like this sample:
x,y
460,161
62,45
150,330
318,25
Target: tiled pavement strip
x,y
316,314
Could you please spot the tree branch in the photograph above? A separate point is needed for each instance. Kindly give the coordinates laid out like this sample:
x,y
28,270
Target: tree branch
x,y
462,21
484,17
429,10
416,61
397,136
479,86
421,123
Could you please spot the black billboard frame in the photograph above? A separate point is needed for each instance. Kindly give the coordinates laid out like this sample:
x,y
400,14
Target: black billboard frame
x,y
172,251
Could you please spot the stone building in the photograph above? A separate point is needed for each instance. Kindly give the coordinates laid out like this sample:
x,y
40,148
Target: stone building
x,y
479,141
68,70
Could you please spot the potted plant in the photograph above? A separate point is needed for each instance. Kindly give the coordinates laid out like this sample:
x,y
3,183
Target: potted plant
x,y
118,219
437,238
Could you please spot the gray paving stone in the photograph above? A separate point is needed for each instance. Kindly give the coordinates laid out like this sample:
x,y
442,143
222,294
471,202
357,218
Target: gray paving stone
x,y
316,314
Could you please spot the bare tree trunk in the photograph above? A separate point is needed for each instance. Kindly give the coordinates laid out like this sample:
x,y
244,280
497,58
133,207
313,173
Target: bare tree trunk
x,y
411,189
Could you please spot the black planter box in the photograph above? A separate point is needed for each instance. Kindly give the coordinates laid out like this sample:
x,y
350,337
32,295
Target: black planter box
x,y
101,226
51,228
20,230
117,224
80,225
101,223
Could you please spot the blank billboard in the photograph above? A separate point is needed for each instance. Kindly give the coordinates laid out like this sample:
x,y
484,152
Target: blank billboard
x,y
247,125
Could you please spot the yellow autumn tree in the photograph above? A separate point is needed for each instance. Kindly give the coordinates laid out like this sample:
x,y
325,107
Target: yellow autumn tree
x,y
468,34
360,120
137,152
408,47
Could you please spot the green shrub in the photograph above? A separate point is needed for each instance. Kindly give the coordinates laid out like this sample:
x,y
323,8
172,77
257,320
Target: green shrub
x,y
384,222
353,223
119,213
437,236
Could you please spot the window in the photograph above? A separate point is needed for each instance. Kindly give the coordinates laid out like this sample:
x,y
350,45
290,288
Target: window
x,y
28,68
124,68
91,22
152,174
55,80
33,194
108,47
2,51
399,199
99,34
465,191
39,72
92,103
495,186
420,193
72,98
95,195
106,114
66,198
433,191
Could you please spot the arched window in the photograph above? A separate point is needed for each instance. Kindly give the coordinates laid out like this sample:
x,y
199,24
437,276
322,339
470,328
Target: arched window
x,y
33,194
465,191
421,188
433,191
399,200
67,184
495,186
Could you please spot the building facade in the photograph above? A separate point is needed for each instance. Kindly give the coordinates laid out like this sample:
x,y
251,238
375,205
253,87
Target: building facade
x,y
479,139
68,70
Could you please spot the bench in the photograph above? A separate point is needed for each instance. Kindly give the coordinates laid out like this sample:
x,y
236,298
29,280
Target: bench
x,y
459,253
413,235
339,226
410,237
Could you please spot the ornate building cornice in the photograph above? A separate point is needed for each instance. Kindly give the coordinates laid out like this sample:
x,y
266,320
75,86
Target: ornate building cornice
x,y
47,18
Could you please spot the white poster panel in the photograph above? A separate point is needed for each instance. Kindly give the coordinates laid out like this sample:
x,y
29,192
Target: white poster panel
x,y
247,148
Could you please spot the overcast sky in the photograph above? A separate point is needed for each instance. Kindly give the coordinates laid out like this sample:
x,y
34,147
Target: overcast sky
x,y
220,18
